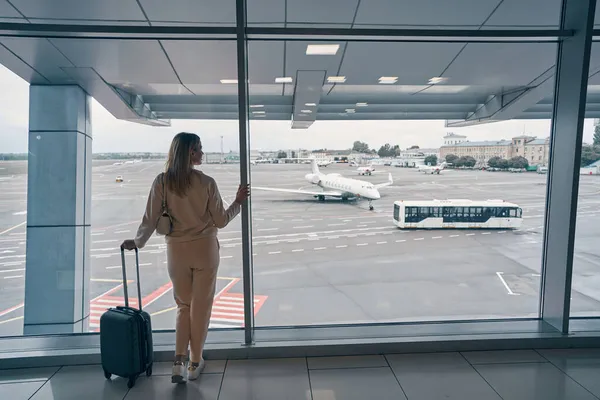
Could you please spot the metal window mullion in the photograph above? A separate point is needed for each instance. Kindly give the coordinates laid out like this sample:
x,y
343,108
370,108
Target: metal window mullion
x,y
247,267
572,69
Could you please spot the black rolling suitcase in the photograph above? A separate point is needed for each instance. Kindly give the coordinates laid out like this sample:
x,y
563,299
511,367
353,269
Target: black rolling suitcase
x,y
126,336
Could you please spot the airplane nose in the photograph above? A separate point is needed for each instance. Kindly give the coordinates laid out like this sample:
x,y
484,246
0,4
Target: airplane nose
x,y
375,195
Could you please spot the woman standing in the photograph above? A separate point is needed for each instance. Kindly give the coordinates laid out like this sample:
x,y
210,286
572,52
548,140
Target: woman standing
x,y
196,209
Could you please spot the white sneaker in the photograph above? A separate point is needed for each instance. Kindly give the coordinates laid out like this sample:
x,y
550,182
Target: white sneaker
x,y
194,372
177,376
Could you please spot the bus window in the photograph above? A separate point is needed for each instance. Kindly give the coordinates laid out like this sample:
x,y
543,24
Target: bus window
x,y
519,213
513,213
424,212
396,212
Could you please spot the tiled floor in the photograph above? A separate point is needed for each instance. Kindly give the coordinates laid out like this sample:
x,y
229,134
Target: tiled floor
x,y
519,374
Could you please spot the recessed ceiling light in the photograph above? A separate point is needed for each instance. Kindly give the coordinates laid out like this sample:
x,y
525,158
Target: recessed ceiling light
x,y
350,110
361,104
256,106
258,112
322,49
284,79
229,81
437,79
310,104
306,111
336,79
388,79
260,116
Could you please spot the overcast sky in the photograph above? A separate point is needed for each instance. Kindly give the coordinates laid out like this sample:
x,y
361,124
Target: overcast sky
x,y
112,135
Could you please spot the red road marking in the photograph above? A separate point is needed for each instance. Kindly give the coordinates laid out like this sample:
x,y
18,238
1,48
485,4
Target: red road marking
x,y
229,307
9,310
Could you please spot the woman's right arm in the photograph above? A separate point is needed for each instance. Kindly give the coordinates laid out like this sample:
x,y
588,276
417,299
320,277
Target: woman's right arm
x,y
151,215
221,216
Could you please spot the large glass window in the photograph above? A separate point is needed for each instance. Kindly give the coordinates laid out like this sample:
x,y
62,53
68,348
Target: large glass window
x,y
14,112
322,256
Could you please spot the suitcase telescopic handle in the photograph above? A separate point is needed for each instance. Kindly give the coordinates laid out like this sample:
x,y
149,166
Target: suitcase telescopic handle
x,y
137,270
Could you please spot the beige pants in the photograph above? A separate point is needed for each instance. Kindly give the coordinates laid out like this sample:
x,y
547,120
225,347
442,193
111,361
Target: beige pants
x,y
193,270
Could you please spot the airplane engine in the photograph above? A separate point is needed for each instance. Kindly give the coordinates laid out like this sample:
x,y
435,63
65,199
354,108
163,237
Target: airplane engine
x,y
313,178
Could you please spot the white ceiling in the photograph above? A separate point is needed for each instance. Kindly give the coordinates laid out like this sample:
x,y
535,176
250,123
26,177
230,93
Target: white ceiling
x,y
181,79
295,13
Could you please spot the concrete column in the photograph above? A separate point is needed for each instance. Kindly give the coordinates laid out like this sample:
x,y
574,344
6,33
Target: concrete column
x,y
58,210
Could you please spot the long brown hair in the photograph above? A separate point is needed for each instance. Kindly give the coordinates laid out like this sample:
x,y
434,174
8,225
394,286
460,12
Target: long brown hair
x,y
178,170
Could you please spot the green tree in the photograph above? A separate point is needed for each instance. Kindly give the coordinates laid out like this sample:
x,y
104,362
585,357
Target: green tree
x,y
360,147
386,151
281,154
503,164
518,162
465,161
293,154
589,154
597,135
493,162
413,147
431,160
451,159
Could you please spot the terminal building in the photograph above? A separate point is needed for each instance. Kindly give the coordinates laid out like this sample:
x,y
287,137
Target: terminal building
x,y
536,151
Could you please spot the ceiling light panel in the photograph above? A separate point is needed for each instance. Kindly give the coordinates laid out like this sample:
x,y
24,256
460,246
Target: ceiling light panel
x,y
322,49
437,79
388,80
310,104
258,112
284,79
361,104
336,79
229,81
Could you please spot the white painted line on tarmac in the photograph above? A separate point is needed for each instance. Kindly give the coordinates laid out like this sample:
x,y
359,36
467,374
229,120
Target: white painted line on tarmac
x,y
343,246
317,219
268,229
419,239
274,252
363,244
297,220
335,224
124,231
98,234
319,248
360,226
297,250
13,228
381,242
400,241
499,274
453,236
437,237
502,232
105,241
3,271
258,219
470,234
486,233
13,277
225,257
277,220
303,227
118,266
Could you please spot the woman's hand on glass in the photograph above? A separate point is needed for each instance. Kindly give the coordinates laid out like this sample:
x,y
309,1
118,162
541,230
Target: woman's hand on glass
x,y
129,244
242,194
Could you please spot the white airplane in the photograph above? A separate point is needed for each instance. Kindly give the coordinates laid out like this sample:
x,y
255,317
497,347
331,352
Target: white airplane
x,y
323,163
432,169
334,185
368,170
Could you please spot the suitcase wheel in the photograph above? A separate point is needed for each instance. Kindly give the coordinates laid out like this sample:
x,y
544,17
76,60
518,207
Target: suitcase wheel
x,y
149,370
131,382
107,374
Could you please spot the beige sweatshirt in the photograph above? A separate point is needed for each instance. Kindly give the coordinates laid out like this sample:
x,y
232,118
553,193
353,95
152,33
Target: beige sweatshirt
x,y
199,214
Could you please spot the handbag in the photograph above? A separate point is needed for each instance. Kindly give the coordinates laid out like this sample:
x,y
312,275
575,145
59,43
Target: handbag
x,y
164,225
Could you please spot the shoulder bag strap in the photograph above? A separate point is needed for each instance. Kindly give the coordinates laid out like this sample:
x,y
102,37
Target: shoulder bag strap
x,y
164,194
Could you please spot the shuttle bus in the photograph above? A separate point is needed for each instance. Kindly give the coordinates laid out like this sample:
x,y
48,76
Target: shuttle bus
x,y
457,214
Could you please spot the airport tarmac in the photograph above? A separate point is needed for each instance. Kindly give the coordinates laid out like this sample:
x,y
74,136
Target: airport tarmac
x,y
326,262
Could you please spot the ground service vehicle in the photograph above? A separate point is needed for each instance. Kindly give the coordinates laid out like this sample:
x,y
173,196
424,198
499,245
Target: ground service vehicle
x,y
457,214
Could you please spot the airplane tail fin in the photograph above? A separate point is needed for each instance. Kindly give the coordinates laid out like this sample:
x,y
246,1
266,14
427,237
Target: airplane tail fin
x,y
314,166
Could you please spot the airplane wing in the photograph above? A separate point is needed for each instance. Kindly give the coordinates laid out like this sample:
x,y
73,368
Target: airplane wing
x,y
388,183
307,192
